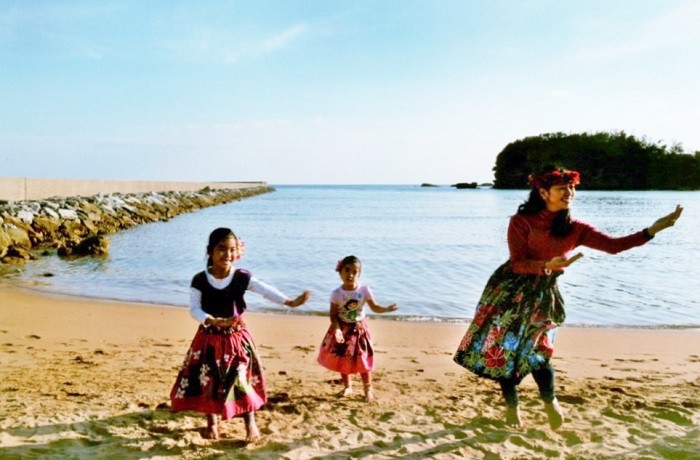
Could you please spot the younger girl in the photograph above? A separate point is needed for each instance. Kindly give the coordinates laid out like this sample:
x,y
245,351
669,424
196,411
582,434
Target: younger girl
x,y
347,346
222,376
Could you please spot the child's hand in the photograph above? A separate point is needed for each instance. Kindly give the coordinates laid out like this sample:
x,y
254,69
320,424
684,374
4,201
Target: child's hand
x,y
220,322
301,300
339,336
392,307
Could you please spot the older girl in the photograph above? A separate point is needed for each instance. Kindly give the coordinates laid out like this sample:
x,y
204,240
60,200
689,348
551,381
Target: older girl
x,y
222,376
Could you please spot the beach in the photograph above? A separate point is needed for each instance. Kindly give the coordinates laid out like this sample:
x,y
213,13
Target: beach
x,y
91,378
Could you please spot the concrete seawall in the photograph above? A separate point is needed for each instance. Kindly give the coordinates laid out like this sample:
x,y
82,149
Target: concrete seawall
x,y
26,188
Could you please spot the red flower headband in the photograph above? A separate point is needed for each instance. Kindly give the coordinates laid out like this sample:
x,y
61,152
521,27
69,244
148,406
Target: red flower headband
x,y
240,249
339,266
556,177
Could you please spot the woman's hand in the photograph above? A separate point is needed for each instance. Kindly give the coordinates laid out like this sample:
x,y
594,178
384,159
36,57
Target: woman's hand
x,y
558,263
339,336
392,307
666,221
301,300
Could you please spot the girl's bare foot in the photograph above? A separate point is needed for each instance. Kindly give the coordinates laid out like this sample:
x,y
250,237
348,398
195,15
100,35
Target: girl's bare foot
x,y
369,394
347,391
252,433
513,417
212,431
554,413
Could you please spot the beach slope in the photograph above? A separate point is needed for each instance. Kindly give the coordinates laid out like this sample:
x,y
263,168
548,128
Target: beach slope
x,y
90,378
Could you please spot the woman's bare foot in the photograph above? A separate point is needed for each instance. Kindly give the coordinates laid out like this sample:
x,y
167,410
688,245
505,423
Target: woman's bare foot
x,y
252,433
347,391
513,417
212,431
369,394
554,413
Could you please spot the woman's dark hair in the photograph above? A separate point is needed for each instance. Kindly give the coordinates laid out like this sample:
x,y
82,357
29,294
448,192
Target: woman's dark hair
x,y
215,237
347,261
561,224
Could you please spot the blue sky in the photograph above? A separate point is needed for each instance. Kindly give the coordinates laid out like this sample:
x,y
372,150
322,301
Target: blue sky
x,y
393,92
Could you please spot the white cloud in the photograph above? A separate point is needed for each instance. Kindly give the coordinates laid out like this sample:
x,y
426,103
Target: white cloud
x,y
283,39
230,47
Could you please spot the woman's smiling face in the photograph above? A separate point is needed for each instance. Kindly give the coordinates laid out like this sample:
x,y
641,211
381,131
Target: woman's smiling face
x,y
558,197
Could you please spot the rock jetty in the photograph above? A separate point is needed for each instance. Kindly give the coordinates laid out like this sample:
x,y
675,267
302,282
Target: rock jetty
x,y
79,225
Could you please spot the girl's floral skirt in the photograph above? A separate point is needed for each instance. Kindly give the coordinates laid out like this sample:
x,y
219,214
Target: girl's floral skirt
x,y
221,374
513,329
354,356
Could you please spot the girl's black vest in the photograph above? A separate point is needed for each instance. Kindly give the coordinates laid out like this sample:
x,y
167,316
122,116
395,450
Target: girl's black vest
x,y
226,302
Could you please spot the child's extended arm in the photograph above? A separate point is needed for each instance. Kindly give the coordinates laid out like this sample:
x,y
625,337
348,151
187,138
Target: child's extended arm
x,y
335,324
300,300
274,295
378,308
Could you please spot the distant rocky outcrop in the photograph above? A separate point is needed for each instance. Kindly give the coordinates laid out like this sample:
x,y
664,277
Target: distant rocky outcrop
x,y
428,184
466,185
76,226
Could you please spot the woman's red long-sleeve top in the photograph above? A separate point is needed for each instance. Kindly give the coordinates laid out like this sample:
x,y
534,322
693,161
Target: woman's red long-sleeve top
x,y
531,243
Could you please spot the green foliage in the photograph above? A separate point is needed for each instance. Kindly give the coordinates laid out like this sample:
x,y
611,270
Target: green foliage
x,y
606,161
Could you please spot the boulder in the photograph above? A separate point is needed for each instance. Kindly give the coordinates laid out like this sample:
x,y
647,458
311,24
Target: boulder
x,y
19,236
25,216
69,214
5,241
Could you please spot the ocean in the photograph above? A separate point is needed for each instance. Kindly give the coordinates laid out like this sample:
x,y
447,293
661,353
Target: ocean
x,y
430,250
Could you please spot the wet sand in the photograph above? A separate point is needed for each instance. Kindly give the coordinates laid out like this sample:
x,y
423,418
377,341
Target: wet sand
x,y
91,378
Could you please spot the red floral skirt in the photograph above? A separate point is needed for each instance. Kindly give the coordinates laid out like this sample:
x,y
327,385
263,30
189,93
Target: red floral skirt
x,y
354,356
222,374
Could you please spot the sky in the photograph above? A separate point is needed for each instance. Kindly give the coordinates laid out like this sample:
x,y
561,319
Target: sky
x,y
332,92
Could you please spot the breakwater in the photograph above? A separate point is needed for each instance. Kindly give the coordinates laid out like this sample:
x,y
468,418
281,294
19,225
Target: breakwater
x,y
77,225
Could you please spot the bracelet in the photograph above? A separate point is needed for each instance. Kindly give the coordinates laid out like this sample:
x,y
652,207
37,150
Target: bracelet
x,y
647,235
546,271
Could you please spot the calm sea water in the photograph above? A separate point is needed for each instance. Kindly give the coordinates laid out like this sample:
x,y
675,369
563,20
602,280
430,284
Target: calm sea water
x,y
431,250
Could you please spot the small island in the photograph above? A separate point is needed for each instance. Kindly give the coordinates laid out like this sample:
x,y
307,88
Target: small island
x,y
606,161
461,185
428,184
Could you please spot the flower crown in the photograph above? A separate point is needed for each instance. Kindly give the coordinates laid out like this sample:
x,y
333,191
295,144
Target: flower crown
x,y
240,248
556,177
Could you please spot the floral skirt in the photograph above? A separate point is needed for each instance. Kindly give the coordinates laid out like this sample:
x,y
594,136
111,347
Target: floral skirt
x,y
354,356
221,374
513,329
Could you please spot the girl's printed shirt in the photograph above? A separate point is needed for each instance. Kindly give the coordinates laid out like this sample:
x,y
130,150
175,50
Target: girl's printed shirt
x,y
254,285
351,303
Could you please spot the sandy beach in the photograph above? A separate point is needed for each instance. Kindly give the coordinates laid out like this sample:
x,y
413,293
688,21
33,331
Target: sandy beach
x,y
85,378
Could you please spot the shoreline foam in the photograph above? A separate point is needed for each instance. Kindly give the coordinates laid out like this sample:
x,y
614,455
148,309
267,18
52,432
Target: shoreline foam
x,y
301,312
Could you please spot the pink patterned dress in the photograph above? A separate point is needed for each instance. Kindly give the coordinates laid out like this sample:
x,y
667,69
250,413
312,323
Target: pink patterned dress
x,y
356,354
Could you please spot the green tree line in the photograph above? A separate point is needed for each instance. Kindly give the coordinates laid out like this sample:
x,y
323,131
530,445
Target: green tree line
x,y
606,161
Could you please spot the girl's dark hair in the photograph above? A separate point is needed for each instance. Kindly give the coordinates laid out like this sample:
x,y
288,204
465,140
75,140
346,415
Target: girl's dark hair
x,y
215,237
561,224
347,261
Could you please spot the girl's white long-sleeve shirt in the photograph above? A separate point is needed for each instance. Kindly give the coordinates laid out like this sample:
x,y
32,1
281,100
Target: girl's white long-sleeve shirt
x,y
270,293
